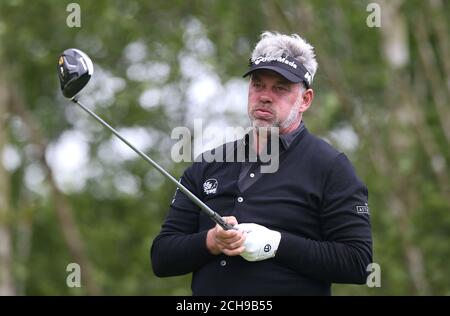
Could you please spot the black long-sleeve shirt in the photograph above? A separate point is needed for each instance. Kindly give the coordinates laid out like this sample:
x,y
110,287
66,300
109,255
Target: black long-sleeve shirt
x,y
315,200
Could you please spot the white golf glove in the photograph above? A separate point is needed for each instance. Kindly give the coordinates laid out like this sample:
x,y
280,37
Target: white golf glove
x,y
261,243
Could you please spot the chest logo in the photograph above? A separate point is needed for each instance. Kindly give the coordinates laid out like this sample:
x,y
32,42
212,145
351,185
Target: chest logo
x,y
210,186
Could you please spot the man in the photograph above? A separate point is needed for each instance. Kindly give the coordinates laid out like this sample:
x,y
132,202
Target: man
x,y
298,229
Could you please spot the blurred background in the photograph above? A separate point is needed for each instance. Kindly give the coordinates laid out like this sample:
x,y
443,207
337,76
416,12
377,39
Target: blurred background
x,y
72,193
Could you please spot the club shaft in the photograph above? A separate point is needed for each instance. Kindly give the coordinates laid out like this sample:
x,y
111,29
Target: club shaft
x,y
213,215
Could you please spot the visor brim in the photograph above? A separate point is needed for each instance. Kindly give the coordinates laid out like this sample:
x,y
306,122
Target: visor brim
x,y
285,73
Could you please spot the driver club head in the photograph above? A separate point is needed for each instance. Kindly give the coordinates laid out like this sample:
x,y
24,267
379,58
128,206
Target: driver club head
x,y
75,68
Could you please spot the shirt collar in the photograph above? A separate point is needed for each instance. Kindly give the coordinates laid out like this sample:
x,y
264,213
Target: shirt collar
x,y
287,139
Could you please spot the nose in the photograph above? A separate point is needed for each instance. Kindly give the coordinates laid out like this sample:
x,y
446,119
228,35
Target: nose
x,y
265,97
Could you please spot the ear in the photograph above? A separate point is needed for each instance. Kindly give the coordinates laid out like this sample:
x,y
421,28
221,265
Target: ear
x,y
307,99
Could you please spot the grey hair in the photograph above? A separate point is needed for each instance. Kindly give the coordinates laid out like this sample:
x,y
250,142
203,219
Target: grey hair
x,y
274,45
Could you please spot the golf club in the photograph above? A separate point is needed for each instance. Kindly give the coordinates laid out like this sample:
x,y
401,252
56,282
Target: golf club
x,y
75,69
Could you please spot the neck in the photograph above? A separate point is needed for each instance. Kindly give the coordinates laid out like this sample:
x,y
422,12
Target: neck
x,y
291,128
259,140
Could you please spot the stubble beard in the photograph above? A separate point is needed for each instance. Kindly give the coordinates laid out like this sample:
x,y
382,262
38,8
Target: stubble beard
x,y
276,122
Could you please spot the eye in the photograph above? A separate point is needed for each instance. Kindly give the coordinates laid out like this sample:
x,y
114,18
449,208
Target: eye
x,y
256,84
281,88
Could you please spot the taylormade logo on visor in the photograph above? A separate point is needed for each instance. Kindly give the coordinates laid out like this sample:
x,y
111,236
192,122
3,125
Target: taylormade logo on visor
x,y
290,68
278,59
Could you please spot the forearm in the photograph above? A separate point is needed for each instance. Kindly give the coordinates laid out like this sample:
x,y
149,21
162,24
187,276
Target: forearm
x,y
176,254
330,261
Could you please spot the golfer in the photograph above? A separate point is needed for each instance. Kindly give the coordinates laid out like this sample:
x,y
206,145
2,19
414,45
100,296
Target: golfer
x,y
298,228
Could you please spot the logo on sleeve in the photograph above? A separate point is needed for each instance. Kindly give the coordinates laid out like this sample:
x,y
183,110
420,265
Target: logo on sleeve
x,y
362,209
210,186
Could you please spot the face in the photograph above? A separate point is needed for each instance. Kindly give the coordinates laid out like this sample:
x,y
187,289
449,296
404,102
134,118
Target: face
x,y
273,101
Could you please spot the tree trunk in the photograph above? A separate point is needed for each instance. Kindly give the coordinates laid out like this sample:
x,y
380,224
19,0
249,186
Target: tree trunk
x,y
395,46
6,273
64,212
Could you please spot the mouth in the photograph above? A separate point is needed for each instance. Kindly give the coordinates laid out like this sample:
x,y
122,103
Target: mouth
x,y
261,113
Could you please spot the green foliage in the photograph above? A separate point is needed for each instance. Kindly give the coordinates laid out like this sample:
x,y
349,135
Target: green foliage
x,y
396,155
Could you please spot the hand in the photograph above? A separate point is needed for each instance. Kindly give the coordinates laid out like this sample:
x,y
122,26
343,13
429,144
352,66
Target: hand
x,y
261,243
229,242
